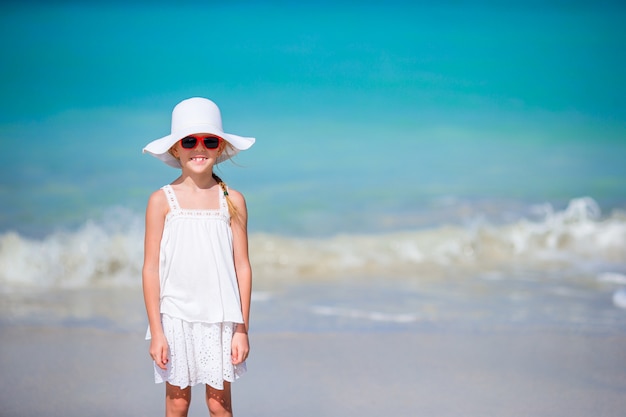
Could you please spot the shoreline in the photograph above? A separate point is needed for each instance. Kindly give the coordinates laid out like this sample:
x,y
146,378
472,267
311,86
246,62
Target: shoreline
x,y
77,371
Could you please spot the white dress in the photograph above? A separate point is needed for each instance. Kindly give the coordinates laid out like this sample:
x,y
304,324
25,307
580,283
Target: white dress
x,y
200,302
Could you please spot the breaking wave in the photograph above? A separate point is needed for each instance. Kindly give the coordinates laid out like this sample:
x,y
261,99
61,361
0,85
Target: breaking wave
x,y
101,255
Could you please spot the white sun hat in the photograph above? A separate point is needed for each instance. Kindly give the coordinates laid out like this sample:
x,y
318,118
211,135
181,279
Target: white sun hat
x,y
193,116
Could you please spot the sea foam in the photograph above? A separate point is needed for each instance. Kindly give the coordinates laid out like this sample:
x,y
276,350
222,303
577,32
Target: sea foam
x,y
101,255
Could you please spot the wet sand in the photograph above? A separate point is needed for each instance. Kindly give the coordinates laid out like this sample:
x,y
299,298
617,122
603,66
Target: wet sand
x,y
65,371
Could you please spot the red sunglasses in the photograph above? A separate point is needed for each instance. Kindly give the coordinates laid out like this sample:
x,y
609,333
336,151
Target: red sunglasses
x,y
210,142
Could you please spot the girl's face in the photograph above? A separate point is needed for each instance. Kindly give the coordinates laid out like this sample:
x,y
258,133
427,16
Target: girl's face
x,y
198,151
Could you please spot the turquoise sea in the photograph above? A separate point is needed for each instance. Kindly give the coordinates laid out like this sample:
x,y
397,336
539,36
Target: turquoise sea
x,y
421,140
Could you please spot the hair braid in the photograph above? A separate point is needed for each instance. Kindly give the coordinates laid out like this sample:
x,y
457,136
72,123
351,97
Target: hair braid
x,y
232,210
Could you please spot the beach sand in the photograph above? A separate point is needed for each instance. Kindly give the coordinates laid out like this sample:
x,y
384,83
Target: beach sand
x,y
78,371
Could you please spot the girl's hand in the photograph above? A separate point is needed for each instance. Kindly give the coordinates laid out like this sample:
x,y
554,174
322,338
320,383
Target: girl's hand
x,y
240,346
159,351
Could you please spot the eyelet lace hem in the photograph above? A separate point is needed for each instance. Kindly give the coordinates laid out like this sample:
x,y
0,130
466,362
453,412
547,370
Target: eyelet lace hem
x,y
199,353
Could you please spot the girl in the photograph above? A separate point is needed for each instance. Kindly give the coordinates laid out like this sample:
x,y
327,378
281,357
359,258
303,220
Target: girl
x,y
196,272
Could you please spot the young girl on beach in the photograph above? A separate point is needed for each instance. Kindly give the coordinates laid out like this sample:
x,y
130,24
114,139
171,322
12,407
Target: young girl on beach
x,y
196,272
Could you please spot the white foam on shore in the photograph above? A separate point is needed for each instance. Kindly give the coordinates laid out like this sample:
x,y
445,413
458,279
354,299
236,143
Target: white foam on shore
x,y
619,298
362,314
612,277
101,255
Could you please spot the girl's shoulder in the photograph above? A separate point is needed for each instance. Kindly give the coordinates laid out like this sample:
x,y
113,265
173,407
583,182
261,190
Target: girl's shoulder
x,y
234,193
158,201
158,195
236,197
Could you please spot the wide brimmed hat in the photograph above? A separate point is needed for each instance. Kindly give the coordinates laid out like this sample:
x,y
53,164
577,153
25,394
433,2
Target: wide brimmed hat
x,y
192,116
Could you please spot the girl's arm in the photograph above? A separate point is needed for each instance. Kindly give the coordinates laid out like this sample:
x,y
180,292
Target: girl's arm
x,y
243,270
155,220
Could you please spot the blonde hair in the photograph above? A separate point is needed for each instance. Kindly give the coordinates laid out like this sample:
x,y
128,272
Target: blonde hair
x,y
232,210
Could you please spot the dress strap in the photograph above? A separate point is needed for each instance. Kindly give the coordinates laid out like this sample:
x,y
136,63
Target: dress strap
x,y
223,202
171,197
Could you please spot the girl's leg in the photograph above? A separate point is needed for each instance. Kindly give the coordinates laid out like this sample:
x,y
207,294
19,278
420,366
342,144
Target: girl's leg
x,y
176,400
218,401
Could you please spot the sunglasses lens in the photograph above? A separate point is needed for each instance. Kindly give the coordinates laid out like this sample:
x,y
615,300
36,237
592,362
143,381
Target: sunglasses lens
x,y
211,142
188,142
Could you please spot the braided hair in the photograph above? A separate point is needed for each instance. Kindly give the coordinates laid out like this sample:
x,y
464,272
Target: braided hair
x,y
232,210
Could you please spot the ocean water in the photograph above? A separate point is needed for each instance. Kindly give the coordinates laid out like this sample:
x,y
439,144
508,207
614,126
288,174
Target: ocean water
x,y
403,150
